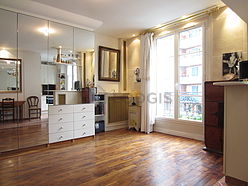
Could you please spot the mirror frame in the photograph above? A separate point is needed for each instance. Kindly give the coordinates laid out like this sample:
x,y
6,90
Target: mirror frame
x,y
100,78
20,75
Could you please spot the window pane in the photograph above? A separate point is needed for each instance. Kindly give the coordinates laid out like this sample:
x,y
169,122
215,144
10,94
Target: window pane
x,y
165,76
190,74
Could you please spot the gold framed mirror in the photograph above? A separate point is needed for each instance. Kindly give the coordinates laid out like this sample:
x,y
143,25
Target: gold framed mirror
x,y
10,71
108,64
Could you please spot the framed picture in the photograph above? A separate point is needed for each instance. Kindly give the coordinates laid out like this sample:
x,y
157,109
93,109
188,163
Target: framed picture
x,y
230,63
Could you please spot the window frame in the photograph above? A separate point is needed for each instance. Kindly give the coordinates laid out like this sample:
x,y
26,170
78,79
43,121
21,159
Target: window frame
x,y
176,33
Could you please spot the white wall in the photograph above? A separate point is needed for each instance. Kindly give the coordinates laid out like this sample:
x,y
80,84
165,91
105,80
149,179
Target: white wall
x,y
111,42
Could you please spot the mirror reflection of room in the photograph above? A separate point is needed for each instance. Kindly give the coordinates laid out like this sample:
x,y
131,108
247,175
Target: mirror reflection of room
x,y
47,67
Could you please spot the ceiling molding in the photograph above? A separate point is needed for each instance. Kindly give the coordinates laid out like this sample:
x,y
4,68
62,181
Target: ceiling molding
x,y
39,10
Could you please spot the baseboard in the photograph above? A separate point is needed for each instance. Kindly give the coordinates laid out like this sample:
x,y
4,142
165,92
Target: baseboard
x,y
179,133
117,125
234,181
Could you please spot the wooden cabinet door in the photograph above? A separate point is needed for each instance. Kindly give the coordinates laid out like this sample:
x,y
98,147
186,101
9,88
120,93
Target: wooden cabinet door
x,y
214,114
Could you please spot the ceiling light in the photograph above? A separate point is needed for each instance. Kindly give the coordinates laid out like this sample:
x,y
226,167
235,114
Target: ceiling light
x,y
133,35
46,31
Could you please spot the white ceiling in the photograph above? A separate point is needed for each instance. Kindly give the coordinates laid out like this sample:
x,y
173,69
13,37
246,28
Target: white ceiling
x,y
119,18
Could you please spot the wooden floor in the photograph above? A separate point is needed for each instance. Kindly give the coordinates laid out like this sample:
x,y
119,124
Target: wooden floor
x,y
118,157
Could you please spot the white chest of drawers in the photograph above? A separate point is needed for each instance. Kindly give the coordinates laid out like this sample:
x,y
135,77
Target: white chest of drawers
x,y
70,122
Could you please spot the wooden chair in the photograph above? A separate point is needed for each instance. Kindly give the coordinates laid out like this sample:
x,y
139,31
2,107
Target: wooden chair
x,y
8,108
33,104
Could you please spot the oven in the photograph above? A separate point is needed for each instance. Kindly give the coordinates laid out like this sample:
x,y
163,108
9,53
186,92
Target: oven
x,y
49,100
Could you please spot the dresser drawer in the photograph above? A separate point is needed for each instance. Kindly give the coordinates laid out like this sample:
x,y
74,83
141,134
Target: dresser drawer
x,y
60,118
61,127
62,136
83,133
87,124
83,116
84,108
60,109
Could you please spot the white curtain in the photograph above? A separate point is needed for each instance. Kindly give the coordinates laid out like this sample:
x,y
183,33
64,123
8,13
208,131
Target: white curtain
x,y
148,67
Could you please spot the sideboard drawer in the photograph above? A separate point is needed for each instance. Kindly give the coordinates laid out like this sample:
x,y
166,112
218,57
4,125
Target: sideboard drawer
x,y
83,133
60,118
62,136
60,109
87,124
83,108
61,127
83,116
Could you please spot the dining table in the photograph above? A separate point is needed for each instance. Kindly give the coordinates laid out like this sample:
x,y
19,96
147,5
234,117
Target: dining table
x,y
19,106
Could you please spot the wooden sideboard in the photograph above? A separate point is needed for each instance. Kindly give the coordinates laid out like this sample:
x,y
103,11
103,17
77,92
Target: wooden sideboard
x,y
214,117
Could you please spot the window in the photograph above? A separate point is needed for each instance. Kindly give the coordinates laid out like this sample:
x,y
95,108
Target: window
x,y
194,71
179,75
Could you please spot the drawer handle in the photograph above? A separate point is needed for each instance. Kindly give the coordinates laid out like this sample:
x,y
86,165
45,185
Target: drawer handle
x,y
83,125
60,110
61,128
60,137
83,108
60,119
83,117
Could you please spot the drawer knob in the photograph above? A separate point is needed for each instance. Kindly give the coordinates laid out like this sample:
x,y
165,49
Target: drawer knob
x,y
60,137
83,125
83,117
83,108
60,119
60,110
84,133
61,128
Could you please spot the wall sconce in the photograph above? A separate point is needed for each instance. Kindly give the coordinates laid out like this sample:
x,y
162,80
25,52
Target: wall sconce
x,y
137,74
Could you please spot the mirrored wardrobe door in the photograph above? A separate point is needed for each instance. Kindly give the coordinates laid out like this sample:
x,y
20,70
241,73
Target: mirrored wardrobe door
x,y
61,55
33,43
84,58
8,78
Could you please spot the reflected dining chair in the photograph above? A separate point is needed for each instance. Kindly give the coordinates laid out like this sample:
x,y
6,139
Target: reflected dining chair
x,y
33,104
8,108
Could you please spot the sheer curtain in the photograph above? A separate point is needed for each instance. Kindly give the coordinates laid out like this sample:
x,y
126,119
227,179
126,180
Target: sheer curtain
x,y
148,67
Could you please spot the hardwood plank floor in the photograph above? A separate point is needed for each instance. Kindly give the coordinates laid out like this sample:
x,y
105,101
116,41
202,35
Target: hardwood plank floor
x,y
118,157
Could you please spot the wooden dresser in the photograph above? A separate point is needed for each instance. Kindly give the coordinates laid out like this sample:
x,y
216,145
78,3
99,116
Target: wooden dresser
x,y
214,117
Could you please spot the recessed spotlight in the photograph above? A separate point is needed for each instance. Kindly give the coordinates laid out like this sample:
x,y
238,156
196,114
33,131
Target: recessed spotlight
x,y
133,35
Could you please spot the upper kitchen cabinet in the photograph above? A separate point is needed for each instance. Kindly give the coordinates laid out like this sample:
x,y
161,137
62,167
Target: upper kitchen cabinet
x,y
8,36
